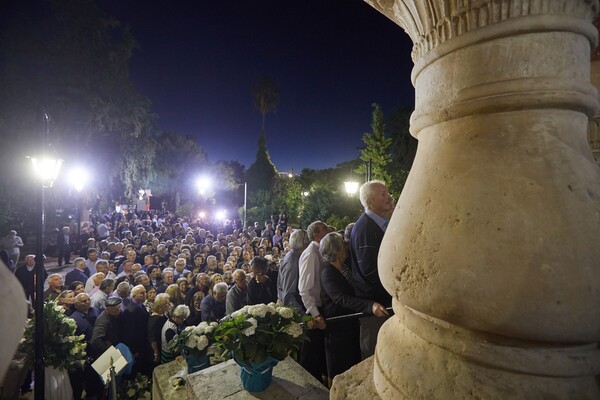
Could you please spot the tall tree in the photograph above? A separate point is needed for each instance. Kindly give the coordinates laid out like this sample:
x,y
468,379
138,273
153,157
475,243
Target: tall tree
x,y
266,98
72,60
261,174
178,162
403,149
377,148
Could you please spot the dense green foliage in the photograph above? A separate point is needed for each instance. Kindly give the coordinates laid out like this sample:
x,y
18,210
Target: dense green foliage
x,y
377,148
262,173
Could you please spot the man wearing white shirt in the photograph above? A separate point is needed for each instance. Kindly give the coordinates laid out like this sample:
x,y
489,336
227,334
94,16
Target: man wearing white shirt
x,y
312,356
101,266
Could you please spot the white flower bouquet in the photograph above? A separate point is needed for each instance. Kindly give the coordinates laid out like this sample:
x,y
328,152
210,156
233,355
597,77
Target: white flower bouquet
x,y
256,332
194,340
63,349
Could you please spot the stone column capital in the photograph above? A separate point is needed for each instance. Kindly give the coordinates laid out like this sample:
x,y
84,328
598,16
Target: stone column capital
x,y
432,23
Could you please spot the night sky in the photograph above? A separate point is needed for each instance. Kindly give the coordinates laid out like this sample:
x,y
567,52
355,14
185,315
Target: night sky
x,y
198,61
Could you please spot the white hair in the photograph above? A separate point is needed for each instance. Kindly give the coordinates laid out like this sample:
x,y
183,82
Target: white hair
x,y
366,191
220,287
331,245
135,290
299,240
182,311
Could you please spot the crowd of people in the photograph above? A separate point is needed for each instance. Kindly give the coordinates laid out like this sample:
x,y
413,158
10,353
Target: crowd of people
x,y
141,279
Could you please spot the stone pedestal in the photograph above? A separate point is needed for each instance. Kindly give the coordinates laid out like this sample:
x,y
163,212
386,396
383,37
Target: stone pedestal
x,y
222,381
594,129
492,253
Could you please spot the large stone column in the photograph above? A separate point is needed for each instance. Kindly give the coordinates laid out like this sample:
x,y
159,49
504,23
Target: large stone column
x,y
493,252
594,129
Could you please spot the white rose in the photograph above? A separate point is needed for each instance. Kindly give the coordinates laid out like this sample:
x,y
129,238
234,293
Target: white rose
x,y
208,329
285,312
203,324
249,331
199,330
271,309
214,324
294,330
271,304
188,328
202,342
258,310
192,341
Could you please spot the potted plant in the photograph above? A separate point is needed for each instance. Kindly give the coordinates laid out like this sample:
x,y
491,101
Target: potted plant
x,y
258,337
193,343
63,350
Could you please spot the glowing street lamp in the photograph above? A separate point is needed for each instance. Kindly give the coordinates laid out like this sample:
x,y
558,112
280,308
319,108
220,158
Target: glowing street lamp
x,y
204,185
78,177
221,215
46,169
351,188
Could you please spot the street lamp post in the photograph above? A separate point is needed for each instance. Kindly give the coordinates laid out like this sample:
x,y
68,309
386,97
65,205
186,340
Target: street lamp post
x,y
245,203
46,170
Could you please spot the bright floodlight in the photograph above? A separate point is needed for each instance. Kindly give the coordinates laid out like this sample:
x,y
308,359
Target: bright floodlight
x,y
290,175
351,188
46,169
202,214
221,215
204,185
78,177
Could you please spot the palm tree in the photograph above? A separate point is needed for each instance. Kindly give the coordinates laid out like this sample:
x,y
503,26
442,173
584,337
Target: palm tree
x,y
266,98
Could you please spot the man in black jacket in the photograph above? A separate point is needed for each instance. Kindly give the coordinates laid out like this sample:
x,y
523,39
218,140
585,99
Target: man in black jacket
x,y
135,331
367,235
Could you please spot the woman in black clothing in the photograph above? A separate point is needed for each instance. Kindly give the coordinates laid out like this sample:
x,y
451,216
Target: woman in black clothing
x,y
262,289
157,319
195,316
342,339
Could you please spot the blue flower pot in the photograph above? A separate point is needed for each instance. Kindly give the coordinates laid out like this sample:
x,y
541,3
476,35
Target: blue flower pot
x,y
256,377
196,363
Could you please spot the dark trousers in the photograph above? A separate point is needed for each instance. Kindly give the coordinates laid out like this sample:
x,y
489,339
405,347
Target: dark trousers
x,y
369,330
312,354
342,346
64,253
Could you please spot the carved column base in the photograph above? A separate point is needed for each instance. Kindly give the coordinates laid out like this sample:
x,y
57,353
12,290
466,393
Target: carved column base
x,y
426,358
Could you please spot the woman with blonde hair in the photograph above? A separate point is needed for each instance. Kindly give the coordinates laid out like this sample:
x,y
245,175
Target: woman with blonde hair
x,y
65,299
175,295
156,321
214,279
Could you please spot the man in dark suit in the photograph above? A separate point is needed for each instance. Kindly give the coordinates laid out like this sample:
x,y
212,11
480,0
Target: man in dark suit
x,y
78,273
135,331
367,235
63,242
25,275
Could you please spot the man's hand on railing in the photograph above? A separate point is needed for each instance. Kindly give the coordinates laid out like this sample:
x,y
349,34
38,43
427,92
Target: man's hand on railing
x,y
379,310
